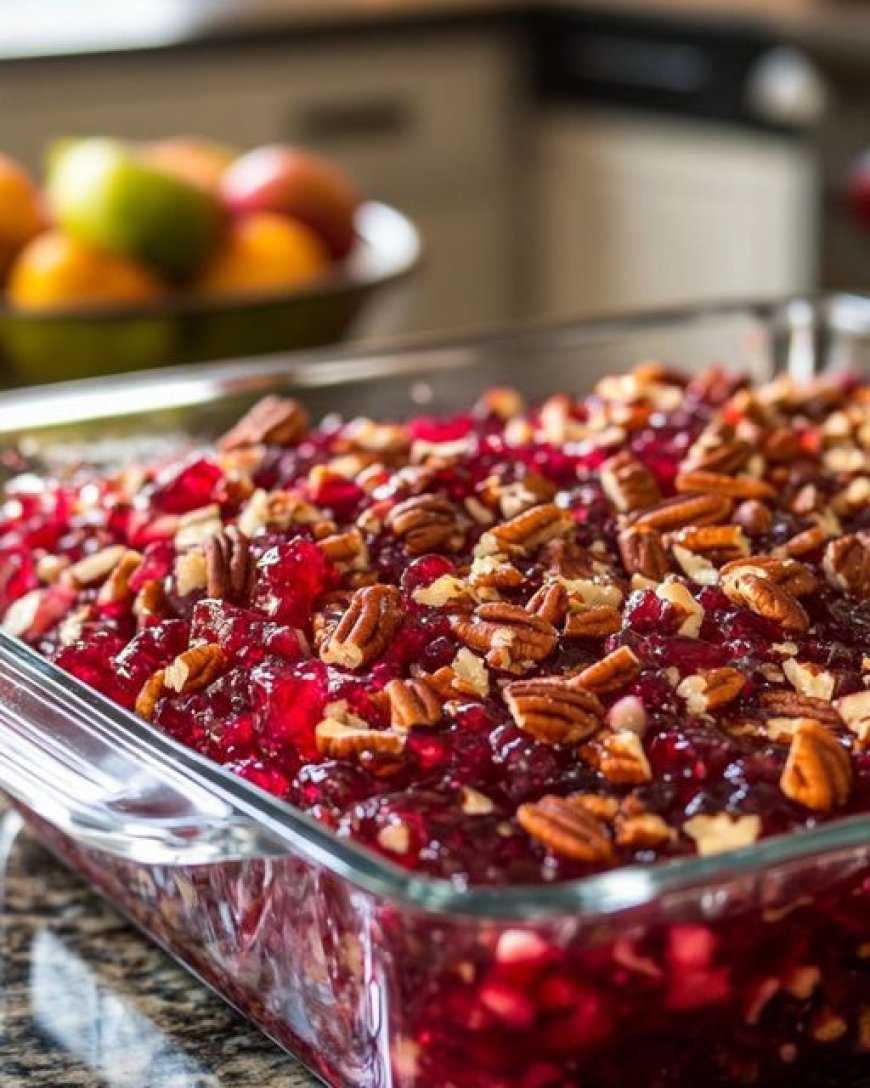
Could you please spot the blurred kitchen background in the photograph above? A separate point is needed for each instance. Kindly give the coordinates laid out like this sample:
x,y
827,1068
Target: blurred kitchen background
x,y
560,158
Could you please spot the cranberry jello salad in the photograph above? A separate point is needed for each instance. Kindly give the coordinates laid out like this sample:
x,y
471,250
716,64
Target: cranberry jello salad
x,y
521,643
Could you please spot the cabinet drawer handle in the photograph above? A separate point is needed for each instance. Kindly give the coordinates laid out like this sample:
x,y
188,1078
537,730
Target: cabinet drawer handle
x,y
333,122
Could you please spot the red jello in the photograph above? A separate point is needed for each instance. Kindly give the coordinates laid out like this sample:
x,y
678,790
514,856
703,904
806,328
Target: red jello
x,y
517,646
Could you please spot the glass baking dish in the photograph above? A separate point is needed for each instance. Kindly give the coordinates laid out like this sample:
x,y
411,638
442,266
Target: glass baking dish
x,y
745,968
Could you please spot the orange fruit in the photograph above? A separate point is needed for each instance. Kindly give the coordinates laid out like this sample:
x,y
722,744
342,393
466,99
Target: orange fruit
x,y
54,271
263,252
191,158
20,210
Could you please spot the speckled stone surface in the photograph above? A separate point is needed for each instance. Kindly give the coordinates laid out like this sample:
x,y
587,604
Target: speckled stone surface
x,y
87,1002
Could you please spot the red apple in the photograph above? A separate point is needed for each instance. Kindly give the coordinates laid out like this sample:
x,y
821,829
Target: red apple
x,y
297,183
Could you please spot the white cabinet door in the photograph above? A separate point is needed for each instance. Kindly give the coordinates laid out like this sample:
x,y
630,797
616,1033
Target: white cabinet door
x,y
633,212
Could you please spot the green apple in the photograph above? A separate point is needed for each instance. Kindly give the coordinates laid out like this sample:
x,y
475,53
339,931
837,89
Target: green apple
x,y
102,194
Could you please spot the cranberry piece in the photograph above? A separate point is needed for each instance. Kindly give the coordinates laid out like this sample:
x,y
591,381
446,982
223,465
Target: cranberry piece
x,y
190,486
290,577
288,703
423,572
245,635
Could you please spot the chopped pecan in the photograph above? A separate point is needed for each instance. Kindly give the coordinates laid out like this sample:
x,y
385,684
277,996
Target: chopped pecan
x,y
847,564
628,483
50,567
366,628
521,495
643,552
818,771
722,832
195,669
413,703
510,637
277,421
718,483
550,602
766,598
229,566
116,588
722,686
790,574
566,829
150,602
340,739
347,549
754,517
597,621
526,532
644,831
150,694
554,710
94,568
682,510
190,572
495,572
620,758
612,672
427,523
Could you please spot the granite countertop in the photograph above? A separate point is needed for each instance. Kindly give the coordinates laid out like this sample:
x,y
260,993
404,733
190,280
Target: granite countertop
x,y
87,1002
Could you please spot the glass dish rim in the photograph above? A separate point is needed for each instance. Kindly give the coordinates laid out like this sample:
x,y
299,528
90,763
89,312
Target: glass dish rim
x,y
597,895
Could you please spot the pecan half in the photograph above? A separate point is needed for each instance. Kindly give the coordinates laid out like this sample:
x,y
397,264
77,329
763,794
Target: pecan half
x,y
566,829
727,456
810,540
719,542
195,669
550,602
229,566
818,771
643,552
413,703
767,599
338,739
554,710
717,483
790,574
629,484
366,628
526,532
847,564
94,568
683,510
595,622
510,637
791,704
278,421
427,523
612,672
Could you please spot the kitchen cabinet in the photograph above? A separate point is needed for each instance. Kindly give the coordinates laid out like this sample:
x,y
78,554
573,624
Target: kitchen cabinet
x,y
634,211
421,119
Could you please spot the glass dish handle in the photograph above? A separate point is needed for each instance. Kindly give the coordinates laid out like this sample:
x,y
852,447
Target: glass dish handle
x,y
94,771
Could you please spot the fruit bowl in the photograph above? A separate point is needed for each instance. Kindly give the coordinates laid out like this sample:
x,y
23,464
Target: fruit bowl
x,y
86,342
